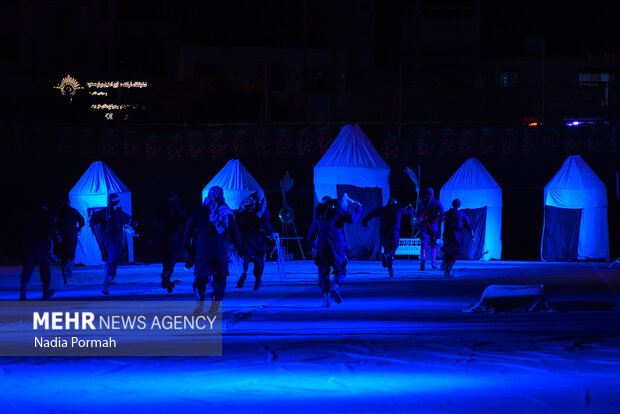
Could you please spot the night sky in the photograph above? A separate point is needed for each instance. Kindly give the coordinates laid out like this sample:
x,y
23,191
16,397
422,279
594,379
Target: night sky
x,y
369,95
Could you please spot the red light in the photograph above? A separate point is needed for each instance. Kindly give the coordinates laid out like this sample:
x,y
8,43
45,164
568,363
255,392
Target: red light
x,y
342,75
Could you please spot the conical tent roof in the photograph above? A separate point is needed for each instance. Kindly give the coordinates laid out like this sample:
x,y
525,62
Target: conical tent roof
x,y
236,181
575,186
99,179
351,160
352,149
473,185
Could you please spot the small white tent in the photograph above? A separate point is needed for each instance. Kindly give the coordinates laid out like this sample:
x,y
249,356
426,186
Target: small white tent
x,y
353,166
477,190
89,194
575,224
236,181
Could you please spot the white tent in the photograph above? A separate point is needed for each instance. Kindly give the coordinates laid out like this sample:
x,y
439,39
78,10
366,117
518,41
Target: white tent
x,y
476,188
354,166
89,194
575,224
236,181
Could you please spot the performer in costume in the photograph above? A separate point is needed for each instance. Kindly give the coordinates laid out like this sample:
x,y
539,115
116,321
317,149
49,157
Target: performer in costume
x,y
430,213
69,223
172,220
39,235
328,230
113,221
455,222
389,229
253,222
209,230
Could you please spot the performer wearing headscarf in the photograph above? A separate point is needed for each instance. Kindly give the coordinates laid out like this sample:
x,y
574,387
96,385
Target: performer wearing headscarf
x,y
389,229
430,212
113,221
328,230
253,221
319,210
39,233
455,222
69,223
210,228
172,220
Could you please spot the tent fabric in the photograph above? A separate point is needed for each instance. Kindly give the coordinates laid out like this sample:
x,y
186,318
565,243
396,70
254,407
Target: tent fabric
x,y
352,149
576,186
511,298
352,160
594,226
89,194
476,188
561,234
236,181
472,250
363,242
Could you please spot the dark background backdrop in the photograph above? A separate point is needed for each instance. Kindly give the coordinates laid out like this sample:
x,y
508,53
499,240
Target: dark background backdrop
x,y
271,83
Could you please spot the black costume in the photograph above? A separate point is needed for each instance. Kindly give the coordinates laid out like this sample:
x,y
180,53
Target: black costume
x,y
430,214
253,221
69,222
389,229
209,229
39,231
172,220
112,221
331,251
455,222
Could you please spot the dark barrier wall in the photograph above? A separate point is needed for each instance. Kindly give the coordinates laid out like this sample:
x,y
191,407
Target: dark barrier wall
x,y
45,161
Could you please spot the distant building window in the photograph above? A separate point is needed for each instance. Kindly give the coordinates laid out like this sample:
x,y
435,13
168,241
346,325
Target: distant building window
x,y
509,79
593,80
596,80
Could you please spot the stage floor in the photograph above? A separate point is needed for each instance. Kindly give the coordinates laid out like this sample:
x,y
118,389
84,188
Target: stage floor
x,y
393,345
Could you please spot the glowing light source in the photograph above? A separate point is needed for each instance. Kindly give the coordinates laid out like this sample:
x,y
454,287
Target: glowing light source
x,y
116,85
573,122
113,107
68,86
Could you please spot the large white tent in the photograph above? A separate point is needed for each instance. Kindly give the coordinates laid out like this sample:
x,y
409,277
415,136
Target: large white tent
x,y
575,223
476,188
89,194
236,181
354,166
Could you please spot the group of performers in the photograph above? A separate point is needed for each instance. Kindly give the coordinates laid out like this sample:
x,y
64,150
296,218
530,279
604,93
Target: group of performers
x,y
207,239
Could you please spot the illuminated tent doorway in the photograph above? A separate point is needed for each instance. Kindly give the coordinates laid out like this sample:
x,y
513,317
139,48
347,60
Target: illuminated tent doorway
x,y
354,166
481,200
90,194
575,224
